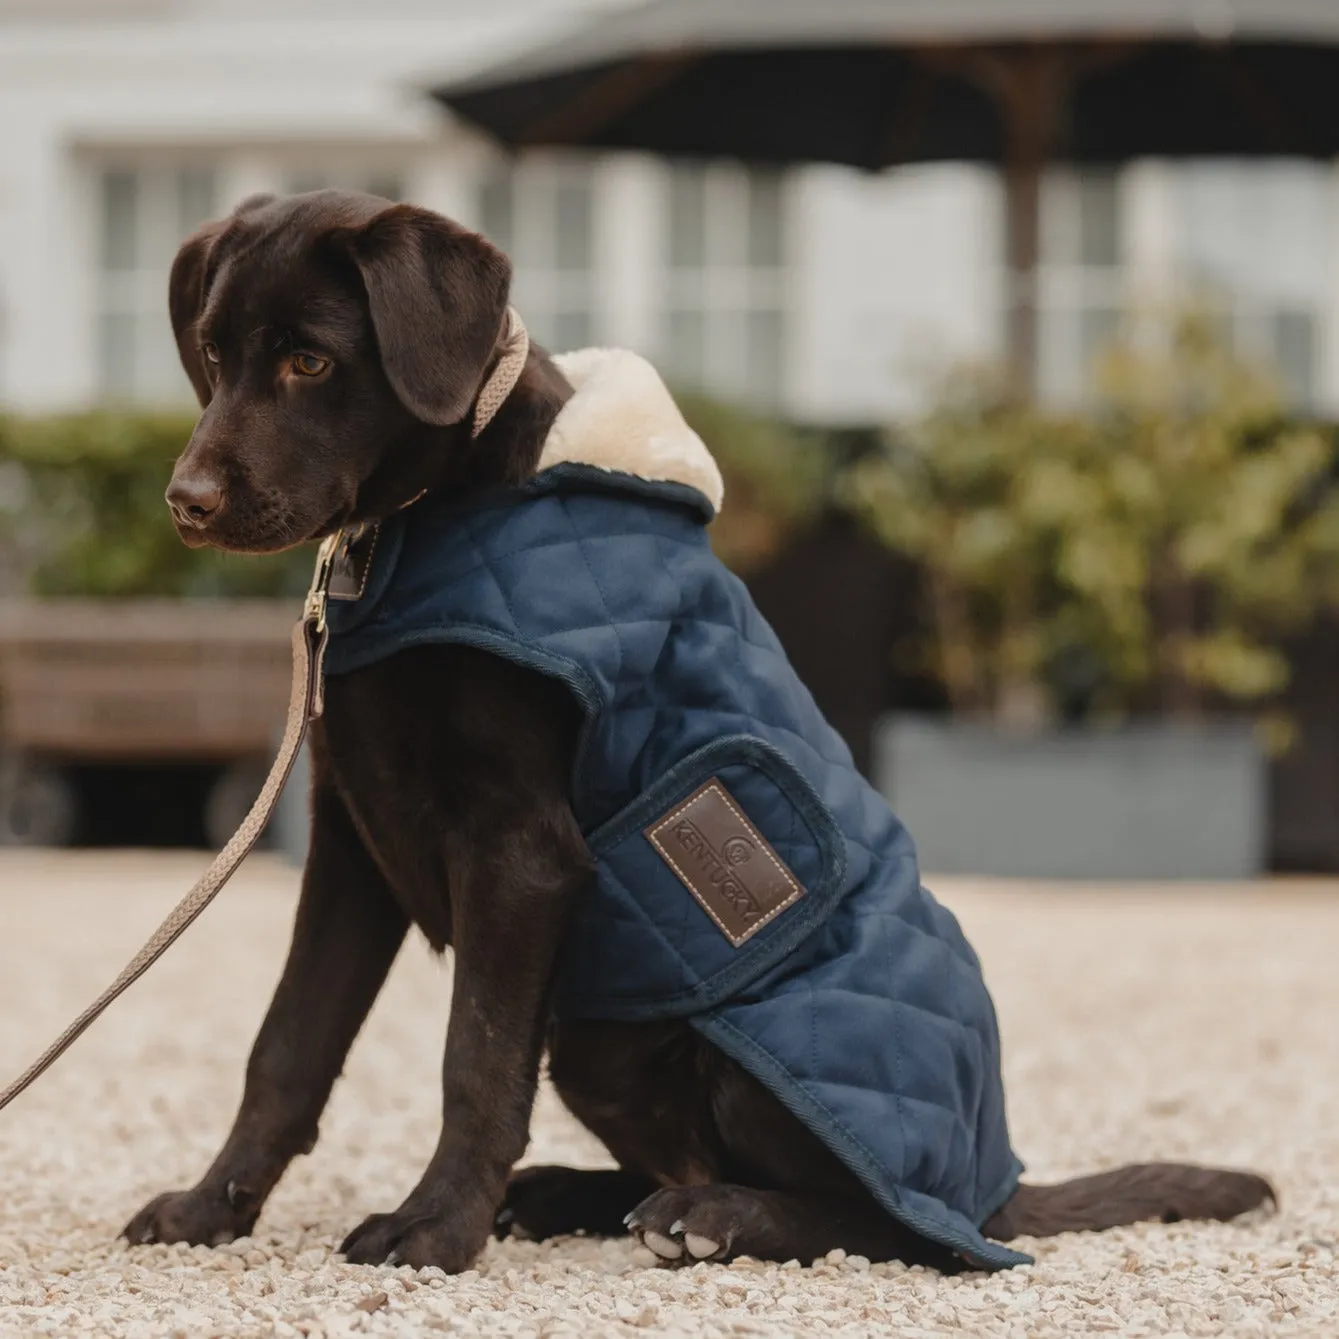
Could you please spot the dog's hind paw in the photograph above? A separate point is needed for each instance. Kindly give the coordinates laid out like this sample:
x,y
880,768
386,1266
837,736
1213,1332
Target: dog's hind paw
x,y
689,1224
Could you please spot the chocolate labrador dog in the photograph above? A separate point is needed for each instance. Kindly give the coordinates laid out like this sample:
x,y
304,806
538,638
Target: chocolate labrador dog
x,y
338,345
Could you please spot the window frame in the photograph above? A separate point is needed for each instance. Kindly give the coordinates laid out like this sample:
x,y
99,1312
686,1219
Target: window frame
x,y
549,292
131,291
725,288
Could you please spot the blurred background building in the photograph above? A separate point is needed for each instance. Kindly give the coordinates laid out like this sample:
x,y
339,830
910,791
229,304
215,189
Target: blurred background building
x,y
830,295
816,296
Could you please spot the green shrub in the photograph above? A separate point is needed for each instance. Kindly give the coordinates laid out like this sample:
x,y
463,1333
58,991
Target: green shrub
x,y
82,513
1151,555
776,478
82,510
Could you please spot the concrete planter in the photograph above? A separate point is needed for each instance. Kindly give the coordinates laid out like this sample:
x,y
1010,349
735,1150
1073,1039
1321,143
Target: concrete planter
x,y
1145,802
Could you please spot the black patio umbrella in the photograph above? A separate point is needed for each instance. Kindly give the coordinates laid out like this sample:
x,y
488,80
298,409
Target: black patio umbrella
x,y
874,83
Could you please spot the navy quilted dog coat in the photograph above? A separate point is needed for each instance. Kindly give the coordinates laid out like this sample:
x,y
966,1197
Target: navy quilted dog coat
x,y
833,977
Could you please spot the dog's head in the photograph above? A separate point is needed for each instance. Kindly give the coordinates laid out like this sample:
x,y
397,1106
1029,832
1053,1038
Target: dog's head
x,y
326,335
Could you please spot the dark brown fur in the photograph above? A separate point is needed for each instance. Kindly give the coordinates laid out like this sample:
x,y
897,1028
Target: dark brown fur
x,y
440,799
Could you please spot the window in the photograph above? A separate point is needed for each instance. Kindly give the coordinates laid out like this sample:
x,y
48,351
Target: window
x,y
144,212
540,211
1079,279
724,304
1254,237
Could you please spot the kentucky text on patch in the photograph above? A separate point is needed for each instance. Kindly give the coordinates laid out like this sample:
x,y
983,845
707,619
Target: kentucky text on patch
x,y
724,861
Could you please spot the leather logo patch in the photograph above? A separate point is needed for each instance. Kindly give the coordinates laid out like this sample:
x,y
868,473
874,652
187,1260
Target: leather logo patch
x,y
725,862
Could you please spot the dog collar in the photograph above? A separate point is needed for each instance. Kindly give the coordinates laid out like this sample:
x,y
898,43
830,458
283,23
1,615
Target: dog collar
x,y
345,558
503,378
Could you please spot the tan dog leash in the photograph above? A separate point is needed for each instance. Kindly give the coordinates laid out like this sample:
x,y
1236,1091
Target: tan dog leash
x,y
305,703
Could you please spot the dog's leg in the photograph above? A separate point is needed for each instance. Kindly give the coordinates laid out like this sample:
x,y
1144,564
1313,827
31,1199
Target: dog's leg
x,y
743,1175
509,908
347,933
543,1202
685,1224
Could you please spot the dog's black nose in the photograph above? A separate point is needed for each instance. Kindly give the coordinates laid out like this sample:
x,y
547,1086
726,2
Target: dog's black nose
x,y
194,499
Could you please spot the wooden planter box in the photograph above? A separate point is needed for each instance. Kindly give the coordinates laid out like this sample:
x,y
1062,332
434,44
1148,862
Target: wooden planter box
x,y
144,680
1146,802
132,682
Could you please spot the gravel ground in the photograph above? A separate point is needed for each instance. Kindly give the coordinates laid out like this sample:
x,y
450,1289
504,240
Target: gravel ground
x,y
1138,1023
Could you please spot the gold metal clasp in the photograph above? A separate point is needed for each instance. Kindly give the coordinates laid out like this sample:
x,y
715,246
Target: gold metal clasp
x,y
317,597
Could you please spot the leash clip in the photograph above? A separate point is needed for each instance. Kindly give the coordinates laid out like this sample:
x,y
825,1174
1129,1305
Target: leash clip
x,y
318,596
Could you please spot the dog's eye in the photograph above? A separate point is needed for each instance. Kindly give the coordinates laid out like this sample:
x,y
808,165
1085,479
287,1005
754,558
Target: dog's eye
x,y
210,351
309,364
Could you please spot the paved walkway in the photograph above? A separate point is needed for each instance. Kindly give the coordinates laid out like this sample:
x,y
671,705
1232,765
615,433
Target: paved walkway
x,y
1193,1023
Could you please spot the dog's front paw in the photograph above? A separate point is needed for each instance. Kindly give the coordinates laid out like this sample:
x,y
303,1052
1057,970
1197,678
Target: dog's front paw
x,y
417,1239
201,1216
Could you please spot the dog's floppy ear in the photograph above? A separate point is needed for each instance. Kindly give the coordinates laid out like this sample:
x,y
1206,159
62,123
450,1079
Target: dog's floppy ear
x,y
186,291
437,294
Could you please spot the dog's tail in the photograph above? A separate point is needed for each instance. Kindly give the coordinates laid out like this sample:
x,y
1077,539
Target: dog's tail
x,y
1162,1191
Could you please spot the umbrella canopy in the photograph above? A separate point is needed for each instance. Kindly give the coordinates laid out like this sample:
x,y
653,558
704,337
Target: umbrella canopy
x,y
874,83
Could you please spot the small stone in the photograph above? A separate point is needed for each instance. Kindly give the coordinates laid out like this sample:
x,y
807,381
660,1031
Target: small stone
x,y
1094,1034
372,1302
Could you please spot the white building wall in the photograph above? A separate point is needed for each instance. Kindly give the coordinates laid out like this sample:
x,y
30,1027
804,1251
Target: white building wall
x,y
1149,226
26,160
893,278
888,273
629,244
1328,284
897,278
257,93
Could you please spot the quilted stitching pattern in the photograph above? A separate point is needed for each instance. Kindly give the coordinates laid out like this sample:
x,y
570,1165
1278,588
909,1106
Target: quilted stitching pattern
x,y
598,982
862,1005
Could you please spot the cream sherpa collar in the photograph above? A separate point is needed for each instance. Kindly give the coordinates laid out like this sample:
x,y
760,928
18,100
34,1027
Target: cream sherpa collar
x,y
622,417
